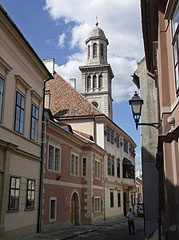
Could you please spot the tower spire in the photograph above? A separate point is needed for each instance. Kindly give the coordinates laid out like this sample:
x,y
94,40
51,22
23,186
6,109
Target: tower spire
x,y
96,21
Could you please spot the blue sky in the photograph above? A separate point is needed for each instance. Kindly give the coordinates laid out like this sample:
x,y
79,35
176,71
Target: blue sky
x,y
58,29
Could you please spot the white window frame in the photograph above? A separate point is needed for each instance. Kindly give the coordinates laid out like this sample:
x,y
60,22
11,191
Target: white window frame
x,y
97,204
52,219
55,146
97,169
84,175
75,164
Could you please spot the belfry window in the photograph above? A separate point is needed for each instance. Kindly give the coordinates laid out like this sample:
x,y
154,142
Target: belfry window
x,y
88,51
102,50
94,82
100,81
88,83
94,50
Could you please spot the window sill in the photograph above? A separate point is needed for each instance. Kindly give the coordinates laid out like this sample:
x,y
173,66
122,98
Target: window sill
x,y
29,209
12,211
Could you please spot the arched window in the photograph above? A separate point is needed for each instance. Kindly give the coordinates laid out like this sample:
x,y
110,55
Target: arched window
x,y
88,83
100,81
94,50
94,82
128,169
88,51
102,50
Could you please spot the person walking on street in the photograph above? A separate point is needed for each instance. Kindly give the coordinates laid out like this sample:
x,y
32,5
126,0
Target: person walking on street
x,y
130,217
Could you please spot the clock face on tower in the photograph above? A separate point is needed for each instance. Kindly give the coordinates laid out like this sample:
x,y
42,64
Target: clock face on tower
x,y
95,104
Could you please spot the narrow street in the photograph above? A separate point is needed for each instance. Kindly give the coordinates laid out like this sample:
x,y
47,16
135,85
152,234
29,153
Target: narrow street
x,y
104,231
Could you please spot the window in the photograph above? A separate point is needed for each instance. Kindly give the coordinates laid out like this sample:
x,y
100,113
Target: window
x,y
1,97
128,169
14,193
88,51
95,104
97,169
97,204
125,146
175,26
84,167
117,141
94,50
34,123
118,169
94,82
109,166
112,162
119,199
19,116
52,213
108,135
111,199
30,194
53,158
112,137
102,50
88,83
100,81
74,165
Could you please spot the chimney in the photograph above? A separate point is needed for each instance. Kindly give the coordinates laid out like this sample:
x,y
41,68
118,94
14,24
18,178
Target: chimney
x,y
50,64
47,99
73,82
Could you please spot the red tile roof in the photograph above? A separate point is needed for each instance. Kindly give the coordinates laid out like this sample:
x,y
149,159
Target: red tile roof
x,y
67,101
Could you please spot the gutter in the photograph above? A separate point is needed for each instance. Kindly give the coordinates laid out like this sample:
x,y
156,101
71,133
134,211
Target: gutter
x,y
40,208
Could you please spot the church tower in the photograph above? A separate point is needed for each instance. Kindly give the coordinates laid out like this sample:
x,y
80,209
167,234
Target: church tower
x,y
97,74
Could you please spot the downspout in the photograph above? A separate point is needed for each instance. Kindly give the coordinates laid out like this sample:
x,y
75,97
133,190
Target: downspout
x,y
39,221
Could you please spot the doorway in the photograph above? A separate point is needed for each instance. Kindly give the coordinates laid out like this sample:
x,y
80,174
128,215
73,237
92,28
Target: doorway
x,y
74,209
125,203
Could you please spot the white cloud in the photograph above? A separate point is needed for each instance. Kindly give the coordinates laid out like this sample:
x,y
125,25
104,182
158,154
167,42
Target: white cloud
x,y
121,23
61,40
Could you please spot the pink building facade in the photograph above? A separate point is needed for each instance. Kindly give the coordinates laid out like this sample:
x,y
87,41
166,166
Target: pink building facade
x,y
73,178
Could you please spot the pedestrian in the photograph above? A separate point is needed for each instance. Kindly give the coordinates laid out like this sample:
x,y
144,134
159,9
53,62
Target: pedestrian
x,y
130,217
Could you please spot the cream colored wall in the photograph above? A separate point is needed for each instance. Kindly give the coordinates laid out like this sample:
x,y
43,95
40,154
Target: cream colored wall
x,y
23,167
85,126
21,71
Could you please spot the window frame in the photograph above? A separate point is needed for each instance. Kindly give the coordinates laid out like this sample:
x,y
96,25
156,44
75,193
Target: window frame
x,y
1,97
15,189
74,164
119,199
126,146
111,199
117,141
175,42
118,166
34,135
97,204
108,135
112,137
84,167
97,169
102,50
21,110
50,209
52,166
94,50
31,190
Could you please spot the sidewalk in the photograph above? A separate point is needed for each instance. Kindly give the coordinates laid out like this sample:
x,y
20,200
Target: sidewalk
x,y
73,231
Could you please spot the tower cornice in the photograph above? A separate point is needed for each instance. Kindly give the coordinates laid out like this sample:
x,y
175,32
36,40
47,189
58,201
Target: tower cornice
x,y
92,68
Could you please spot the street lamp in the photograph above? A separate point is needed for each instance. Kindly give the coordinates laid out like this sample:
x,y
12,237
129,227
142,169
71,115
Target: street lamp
x,y
136,105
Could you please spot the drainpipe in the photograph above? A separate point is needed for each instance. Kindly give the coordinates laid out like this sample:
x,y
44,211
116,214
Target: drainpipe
x,y
39,221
